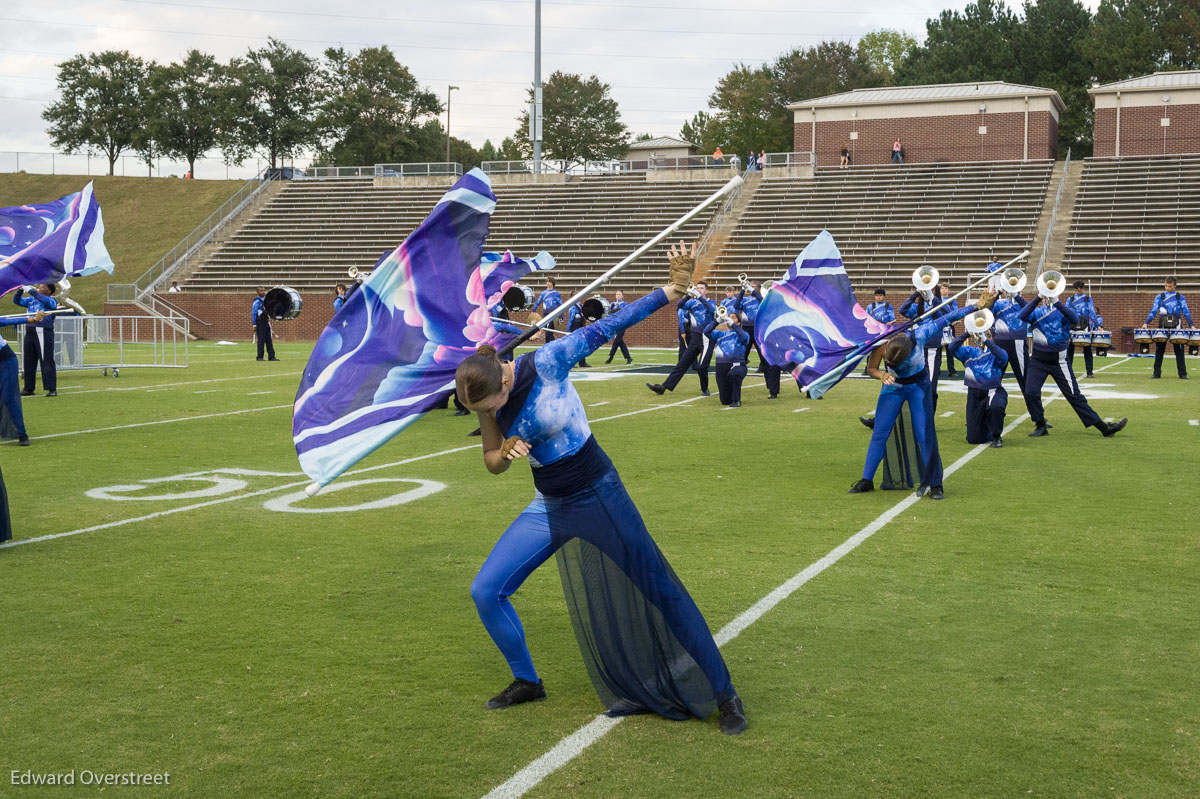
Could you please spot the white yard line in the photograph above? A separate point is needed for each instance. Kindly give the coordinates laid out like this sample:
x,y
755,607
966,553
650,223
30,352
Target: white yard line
x,y
799,410
186,383
257,393
574,744
598,404
947,414
160,421
1194,422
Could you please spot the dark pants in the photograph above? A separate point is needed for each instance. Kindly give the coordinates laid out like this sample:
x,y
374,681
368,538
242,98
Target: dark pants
x,y
699,352
12,418
985,414
730,375
762,362
1018,357
1054,365
39,351
1087,357
949,359
263,331
933,365
5,520
1160,348
576,325
619,343
772,377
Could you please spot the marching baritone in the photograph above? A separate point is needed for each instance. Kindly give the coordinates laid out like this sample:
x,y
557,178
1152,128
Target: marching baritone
x,y
1170,307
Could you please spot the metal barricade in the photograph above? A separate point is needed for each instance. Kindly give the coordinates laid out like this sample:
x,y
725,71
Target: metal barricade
x,y
117,342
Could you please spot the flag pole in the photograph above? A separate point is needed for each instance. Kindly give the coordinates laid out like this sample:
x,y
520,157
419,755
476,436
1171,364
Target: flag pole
x,y
582,294
970,286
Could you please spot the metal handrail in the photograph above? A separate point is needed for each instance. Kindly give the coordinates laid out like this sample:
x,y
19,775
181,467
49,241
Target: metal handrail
x,y
155,299
201,235
793,159
421,169
714,224
1062,182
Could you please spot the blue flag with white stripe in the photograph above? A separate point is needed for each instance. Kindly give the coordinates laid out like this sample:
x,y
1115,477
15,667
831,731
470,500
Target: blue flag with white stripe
x,y
45,242
389,355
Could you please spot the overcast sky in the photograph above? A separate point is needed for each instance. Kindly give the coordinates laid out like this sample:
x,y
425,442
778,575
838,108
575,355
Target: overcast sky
x,y
662,58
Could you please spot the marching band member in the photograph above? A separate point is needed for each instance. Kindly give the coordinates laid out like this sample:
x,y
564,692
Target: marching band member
x,y
339,297
1051,328
771,373
38,346
730,300
731,343
699,312
649,647
13,418
881,309
619,341
1085,309
914,307
262,325
575,321
907,380
948,333
748,305
551,299
1170,307
1011,333
987,401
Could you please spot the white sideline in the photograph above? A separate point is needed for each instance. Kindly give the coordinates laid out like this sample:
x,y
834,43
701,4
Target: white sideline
x,y
566,749
159,421
157,386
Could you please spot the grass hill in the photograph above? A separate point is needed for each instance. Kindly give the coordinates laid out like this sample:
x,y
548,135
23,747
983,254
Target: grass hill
x,y
143,218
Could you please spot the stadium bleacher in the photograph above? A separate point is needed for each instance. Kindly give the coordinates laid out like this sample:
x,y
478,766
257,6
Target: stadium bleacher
x,y
889,220
311,234
1136,221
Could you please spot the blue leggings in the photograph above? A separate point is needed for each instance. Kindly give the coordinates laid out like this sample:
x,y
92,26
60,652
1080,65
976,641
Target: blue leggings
x,y
891,398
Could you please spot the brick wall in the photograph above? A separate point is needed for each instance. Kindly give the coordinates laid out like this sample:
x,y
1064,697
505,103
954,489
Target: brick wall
x,y
933,139
1142,133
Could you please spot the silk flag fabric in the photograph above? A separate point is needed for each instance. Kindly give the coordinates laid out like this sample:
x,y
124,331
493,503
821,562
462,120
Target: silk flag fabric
x,y
45,242
389,355
811,324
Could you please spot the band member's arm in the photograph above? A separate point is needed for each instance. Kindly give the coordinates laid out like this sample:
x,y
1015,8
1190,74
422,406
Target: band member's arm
x,y
1183,310
873,370
910,307
1026,313
954,345
1068,312
554,360
1154,308
1000,355
498,452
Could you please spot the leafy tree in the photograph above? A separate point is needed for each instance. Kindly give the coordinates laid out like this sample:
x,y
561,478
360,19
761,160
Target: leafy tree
x,y
977,45
704,130
1135,37
187,107
828,68
884,49
510,150
1047,47
101,104
372,107
750,114
273,104
580,121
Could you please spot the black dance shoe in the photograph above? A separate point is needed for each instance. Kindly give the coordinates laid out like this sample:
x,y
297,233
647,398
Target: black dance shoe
x,y
656,388
475,432
1110,430
1089,376
735,405
1040,430
861,487
585,365
272,359
772,396
22,440
997,442
868,422
935,492
26,393
733,716
51,393
628,361
1183,377
609,360
461,412
518,693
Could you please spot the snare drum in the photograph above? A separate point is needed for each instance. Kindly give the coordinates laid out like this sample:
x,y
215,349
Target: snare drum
x,y
1101,339
1180,336
282,302
1194,336
1081,338
1143,335
1161,335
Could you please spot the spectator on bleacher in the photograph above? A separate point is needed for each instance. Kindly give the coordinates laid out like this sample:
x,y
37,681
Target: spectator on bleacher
x,y
762,159
1171,308
845,162
174,287
339,297
751,160
718,157
897,152
551,299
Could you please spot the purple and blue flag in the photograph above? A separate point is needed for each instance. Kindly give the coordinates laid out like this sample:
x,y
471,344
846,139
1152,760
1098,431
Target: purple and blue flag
x,y
45,242
811,324
389,355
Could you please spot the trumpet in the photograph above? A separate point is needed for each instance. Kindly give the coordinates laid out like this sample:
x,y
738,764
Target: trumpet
x,y
1050,285
925,279
357,274
724,316
693,291
744,282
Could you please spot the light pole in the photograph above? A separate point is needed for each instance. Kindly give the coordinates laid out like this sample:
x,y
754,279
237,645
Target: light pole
x,y
448,90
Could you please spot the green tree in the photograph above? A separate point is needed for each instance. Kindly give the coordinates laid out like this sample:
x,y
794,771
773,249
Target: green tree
x,y
704,130
1136,37
273,104
580,121
186,107
748,115
101,104
371,108
884,49
977,45
1047,47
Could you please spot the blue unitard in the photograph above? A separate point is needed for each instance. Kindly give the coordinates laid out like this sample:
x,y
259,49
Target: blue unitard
x,y
912,386
646,645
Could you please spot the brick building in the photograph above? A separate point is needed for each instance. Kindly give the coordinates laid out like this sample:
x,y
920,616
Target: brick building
x,y
987,121
1151,115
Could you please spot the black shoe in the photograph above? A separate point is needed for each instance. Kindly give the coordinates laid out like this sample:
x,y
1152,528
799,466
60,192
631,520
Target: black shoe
x,y
585,364
272,359
1048,425
772,396
1183,377
475,432
1155,377
1089,376
997,442
1040,430
22,440
608,361
656,388
861,487
706,393
735,405
519,692
258,359
1110,430
629,360
868,423
26,393
935,492
733,716
461,412
51,393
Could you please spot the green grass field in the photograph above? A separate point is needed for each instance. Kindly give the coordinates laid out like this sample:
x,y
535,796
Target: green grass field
x,y
143,218
1030,636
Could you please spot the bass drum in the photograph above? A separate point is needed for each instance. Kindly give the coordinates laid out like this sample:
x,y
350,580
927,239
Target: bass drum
x,y
518,298
282,302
